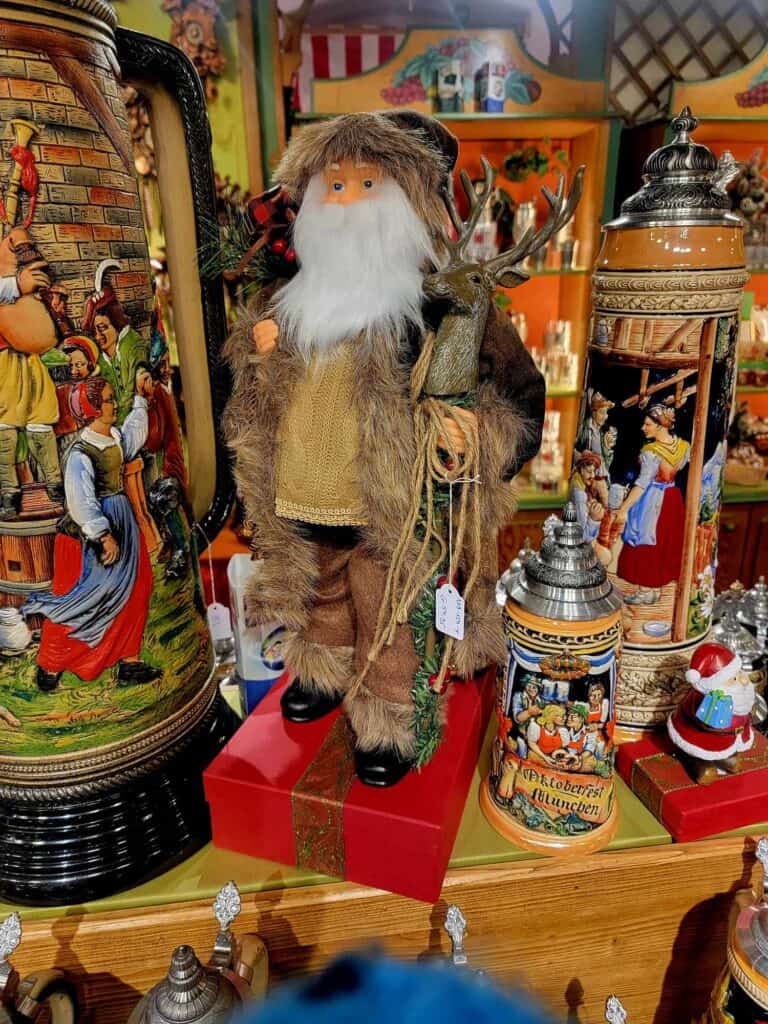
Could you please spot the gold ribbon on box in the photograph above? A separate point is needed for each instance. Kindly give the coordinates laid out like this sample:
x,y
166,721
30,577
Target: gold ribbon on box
x,y
317,803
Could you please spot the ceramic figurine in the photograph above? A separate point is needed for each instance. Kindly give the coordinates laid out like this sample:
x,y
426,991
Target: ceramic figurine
x,y
212,993
740,994
365,423
50,992
108,706
658,391
712,725
551,784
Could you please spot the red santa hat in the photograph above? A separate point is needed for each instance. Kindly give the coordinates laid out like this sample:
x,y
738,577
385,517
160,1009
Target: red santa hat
x,y
712,665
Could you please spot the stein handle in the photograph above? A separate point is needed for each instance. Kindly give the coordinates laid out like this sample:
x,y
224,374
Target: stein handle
x,y
53,989
182,140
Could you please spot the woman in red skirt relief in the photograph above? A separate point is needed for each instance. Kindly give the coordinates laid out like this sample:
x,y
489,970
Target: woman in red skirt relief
x,y
653,513
97,608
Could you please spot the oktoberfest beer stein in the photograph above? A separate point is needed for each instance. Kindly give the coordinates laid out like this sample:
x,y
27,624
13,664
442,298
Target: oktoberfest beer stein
x,y
650,449
108,706
551,784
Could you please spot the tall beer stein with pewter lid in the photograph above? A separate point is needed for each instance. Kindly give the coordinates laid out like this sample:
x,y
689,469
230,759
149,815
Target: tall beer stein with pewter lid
x,y
108,707
650,449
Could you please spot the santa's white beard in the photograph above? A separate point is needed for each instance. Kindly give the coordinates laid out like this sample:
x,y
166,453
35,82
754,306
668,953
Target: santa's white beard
x,y
360,269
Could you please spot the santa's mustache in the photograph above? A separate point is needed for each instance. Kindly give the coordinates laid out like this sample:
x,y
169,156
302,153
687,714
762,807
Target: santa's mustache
x,y
360,269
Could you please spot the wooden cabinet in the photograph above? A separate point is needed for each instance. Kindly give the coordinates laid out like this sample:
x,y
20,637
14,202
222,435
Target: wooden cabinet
x,y
742,551
732,543
756,555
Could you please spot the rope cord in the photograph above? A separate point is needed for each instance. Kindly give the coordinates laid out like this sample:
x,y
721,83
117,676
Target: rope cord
x,y
410,570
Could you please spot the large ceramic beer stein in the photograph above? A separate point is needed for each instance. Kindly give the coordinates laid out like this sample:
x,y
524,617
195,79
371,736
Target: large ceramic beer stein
x,y
108,706
740,993
650,450
551,784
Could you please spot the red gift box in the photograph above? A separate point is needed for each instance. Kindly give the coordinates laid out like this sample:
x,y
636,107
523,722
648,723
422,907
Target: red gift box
x,y
288,793
656,775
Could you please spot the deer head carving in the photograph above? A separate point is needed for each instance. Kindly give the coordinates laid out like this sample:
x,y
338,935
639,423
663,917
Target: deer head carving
x,y
462,290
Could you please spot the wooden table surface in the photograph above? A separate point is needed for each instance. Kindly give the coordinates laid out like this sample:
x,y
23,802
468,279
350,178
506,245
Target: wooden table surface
x,y
645,919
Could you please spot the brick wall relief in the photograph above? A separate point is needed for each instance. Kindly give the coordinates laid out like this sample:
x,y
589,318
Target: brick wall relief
x,y
99,634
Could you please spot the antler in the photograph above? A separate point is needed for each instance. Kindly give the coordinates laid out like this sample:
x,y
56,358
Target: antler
x,y
561,209
477,201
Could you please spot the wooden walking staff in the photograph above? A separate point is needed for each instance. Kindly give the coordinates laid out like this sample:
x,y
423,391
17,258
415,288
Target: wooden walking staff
x,y
443,382
23,131
693,490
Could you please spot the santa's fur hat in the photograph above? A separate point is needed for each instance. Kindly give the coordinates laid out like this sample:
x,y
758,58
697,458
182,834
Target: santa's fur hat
x,y
417,151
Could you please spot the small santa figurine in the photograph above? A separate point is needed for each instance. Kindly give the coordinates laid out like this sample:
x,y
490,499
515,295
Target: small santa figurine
x,y
713,723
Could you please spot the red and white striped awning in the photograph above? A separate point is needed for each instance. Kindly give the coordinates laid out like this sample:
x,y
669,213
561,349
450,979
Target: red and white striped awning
x,y
341,54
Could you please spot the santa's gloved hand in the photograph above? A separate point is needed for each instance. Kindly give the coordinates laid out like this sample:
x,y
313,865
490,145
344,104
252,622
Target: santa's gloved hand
x,y
453,435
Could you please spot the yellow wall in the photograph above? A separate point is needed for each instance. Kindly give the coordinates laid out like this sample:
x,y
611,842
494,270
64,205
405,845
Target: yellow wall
x,y
226,111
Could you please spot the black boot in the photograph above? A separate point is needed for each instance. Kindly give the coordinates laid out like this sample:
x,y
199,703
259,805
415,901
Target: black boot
x,y
380,767
299,705
134,673
47,681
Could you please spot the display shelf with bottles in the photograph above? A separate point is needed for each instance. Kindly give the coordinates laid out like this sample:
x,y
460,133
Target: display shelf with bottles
x,y
540,125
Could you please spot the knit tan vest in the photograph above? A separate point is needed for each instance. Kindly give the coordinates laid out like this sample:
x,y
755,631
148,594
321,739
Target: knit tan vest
x,y
317,446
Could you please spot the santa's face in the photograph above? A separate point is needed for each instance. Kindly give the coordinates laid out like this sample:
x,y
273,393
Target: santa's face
x,y
361,250
350,182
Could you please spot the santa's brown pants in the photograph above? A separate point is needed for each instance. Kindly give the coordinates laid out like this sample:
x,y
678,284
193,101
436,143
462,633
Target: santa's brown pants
x,y
332,649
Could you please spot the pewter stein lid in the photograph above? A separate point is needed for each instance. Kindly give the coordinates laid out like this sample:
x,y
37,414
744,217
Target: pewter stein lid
x,y
683,183
563,579
748,941
195,993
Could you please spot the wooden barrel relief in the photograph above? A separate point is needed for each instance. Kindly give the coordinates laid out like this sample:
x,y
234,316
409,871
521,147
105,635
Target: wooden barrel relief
x,y
26,561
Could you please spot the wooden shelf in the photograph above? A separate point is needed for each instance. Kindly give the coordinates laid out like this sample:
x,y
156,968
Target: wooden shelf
x,y
530,497
594,922
735,493
563,392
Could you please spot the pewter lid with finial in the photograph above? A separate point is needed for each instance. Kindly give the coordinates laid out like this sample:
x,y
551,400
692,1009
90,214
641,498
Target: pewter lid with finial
x,y
195,993
748,940
563,579
10,937
683,183
614,1011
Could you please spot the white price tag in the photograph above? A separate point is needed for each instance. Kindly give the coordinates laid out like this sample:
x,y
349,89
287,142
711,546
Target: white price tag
x,y
449,611
219,621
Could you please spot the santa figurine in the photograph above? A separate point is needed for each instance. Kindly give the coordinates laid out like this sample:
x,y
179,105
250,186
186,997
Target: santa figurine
x,y
713,723
321,424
